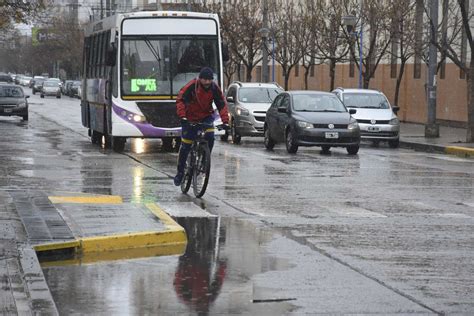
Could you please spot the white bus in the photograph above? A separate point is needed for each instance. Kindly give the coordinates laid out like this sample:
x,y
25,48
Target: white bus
x,y
134,65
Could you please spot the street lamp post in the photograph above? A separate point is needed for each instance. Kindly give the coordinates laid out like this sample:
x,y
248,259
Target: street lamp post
x,y
264,33
350,21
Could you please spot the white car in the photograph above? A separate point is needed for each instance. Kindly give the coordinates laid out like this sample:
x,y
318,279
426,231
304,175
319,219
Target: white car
x,y
376,117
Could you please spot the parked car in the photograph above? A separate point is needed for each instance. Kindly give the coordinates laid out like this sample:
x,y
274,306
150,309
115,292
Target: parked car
x,y
25,81
37,85
376,117
5,78
51,87
74,90
248,105
35,78
13,101
311,118
65,86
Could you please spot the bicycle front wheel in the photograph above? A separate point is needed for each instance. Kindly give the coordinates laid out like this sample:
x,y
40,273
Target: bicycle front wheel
x,y
202,169
188,175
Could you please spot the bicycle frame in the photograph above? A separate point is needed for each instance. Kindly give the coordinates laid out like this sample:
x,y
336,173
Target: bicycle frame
x,y
197,164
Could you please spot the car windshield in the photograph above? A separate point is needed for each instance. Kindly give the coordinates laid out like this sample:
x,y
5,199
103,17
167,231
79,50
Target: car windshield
x,y
258,94
317,103
51,84
365,100
11,92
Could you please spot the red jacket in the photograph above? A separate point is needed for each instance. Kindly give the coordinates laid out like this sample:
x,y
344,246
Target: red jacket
x,y
195,103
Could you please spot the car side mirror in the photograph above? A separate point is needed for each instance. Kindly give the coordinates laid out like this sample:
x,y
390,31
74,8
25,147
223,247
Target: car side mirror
x,y
282,109
230,99
352,111
395,109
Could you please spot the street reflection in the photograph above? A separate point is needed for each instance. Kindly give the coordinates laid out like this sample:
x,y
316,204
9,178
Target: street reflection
x,y
200,272
138,145
137,184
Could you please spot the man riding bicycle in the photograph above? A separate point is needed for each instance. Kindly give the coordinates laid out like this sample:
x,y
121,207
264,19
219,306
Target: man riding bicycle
x,y
194,105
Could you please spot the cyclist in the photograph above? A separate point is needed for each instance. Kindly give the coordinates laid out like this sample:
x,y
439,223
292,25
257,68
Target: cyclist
x,y
194,104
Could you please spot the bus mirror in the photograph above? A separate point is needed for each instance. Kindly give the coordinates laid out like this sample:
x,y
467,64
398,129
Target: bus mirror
x,y
110,57
225,52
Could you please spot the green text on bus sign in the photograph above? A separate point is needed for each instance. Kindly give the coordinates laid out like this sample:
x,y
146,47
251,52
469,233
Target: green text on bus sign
x,y
149,84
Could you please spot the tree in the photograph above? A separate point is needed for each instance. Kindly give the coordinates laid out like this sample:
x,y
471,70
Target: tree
x,y
403,29
331,44
462,16
376,20
290,34
12,11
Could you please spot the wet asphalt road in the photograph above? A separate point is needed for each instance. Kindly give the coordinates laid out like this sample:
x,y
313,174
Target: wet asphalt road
x,y
386,231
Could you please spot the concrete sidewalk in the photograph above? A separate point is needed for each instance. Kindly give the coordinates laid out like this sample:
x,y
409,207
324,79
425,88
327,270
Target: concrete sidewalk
x,y
451,141
76,228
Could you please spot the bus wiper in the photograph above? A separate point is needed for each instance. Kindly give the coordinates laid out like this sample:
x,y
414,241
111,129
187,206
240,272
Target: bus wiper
x,y
152,49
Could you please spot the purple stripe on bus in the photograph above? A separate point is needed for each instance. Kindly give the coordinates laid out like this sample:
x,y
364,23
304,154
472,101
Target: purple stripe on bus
x,y
146,129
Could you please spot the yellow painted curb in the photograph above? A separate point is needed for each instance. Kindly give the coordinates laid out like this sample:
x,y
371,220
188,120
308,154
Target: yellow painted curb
x,y
462,151
173,235
133,240
102,199
57,246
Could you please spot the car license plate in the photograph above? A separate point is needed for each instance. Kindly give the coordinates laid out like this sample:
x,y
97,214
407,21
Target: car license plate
x,y
172,133
7,110
332,135
373,129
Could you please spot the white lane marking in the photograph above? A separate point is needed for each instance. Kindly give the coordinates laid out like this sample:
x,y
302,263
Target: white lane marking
x,y
354,211
471,204
454,215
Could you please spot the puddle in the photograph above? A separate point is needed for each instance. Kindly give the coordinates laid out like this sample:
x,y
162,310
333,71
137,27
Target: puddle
x,y
213,276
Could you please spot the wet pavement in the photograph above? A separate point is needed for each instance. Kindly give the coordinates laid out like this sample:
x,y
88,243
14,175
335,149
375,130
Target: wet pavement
x,y
386,231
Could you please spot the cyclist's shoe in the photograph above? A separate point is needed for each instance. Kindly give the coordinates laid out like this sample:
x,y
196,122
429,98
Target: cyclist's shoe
x,y
178,178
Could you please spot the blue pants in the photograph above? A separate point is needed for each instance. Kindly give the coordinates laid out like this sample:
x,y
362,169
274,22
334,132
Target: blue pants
x,y
189,134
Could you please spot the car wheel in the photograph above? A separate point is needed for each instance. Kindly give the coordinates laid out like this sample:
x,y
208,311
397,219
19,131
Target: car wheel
x,y
33,91
25,117
118,143
325,149
268,141
42,96
236,138
394,143
352,150
96,137
291,145
58,97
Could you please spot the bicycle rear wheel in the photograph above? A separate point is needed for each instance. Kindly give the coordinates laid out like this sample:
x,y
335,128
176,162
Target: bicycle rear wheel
x,y
188,175
202,169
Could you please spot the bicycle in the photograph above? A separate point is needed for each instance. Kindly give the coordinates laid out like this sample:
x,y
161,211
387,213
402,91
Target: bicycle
x,y
198,163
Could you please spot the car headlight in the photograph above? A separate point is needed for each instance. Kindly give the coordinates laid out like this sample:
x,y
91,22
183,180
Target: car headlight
x,y
303,124
353,124
242,111
394,121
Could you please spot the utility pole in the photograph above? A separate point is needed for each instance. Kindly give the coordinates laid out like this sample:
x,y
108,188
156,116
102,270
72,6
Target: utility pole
x,y
431,127
264,44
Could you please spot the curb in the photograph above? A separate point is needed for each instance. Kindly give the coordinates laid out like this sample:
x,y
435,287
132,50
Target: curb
x,y
173,235
434,148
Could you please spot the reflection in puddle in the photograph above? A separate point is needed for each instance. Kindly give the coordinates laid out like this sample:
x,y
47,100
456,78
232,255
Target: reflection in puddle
x,y
217,274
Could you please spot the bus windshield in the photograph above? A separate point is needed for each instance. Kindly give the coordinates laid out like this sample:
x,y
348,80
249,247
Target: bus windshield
x,y
162,66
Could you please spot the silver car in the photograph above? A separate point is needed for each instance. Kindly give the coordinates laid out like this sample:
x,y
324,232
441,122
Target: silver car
x,y
376,117
248,105
51,87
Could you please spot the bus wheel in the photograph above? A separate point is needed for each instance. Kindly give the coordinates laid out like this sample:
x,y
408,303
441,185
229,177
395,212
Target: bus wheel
x,y
167,144
118,143
96,137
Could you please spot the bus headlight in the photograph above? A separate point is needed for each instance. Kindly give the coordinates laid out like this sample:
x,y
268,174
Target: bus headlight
x,y
138,118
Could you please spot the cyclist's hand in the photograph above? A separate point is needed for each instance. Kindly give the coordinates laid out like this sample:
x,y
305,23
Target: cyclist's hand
x,y
184,121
